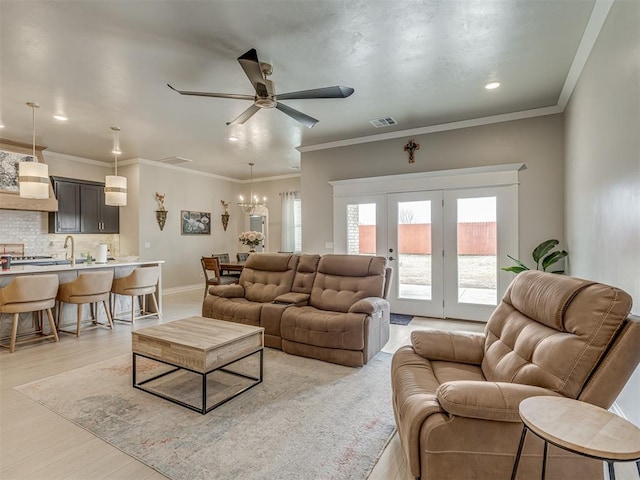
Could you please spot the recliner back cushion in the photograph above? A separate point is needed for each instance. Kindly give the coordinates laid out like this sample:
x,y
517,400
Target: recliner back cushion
x,y
267,275
342,280
305,273
551,331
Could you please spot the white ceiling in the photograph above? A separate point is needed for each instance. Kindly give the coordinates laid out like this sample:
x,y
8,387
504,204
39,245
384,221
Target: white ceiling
x,y
107,62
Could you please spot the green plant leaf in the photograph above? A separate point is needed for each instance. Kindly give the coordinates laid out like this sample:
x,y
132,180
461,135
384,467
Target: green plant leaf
x,y
542,249
519,267
560,272
515,269
552,258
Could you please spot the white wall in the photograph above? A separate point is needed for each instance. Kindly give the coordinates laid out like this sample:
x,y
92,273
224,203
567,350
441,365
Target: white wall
x,y
603,167
537,142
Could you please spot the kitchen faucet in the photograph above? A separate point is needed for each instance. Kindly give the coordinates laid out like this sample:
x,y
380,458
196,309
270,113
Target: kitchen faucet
x,y
73,249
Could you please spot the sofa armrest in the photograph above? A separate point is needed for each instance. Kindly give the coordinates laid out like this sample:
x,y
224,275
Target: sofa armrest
x,y
227,291
460,347
498,401
369,305
292,298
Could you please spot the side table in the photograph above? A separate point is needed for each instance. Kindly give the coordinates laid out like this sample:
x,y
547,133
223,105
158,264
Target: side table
x,y
580,428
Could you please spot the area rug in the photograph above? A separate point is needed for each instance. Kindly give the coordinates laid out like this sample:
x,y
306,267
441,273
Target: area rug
x,y
307,420
400,319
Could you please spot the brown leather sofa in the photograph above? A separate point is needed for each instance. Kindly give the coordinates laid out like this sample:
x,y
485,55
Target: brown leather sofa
x,y
346,318
456,395
331,307
251,301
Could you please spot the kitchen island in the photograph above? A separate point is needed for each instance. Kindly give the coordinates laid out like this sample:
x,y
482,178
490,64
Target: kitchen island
x,y
67,273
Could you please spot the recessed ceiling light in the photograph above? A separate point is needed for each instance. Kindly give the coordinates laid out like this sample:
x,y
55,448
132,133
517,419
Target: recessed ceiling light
x,y
61,117
1,125
492,85
233,139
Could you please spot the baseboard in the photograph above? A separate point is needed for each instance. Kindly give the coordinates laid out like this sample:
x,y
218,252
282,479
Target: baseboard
x,y
183,288
615,408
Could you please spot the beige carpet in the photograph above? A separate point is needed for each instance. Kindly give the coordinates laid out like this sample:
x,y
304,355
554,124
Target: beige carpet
x,y
307,420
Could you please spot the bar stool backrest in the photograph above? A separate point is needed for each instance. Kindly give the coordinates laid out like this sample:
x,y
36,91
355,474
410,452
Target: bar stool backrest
x,y
30,289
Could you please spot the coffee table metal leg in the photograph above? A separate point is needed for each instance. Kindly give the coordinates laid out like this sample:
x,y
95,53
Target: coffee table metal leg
x,y
517,460
638,467
134,369
544,459
204,393
612,472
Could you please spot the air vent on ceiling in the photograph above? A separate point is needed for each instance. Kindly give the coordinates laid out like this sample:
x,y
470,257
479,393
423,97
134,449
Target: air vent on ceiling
x,y
175,160
383,122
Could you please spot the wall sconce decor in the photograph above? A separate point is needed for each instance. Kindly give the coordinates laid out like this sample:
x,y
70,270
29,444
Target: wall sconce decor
x,y
161,213
225,215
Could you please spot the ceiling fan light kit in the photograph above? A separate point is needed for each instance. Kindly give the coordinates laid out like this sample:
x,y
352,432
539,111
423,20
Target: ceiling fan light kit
x,y
265,93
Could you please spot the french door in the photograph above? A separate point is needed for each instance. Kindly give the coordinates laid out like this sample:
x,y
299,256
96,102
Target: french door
x,y
444,246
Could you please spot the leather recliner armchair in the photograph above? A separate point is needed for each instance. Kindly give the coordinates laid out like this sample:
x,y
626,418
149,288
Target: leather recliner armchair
x,y
456,395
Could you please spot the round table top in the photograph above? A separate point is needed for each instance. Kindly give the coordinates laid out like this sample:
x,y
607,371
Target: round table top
x,y
582,428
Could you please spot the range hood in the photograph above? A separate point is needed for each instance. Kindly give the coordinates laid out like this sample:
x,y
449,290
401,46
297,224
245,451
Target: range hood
x,y
11,200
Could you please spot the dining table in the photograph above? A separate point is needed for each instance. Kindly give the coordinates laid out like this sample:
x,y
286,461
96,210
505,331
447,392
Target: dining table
x,y
231,266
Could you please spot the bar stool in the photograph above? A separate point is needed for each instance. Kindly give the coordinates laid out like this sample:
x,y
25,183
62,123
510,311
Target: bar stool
x,y
89,287
141,282
29,293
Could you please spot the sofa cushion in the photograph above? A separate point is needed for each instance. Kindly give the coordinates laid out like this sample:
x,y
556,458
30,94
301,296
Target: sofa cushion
x,y
305,273
577,322
267,275
323,328
342,280
239,310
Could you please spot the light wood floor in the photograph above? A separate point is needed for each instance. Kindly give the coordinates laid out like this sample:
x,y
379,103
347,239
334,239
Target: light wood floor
x,y
37,444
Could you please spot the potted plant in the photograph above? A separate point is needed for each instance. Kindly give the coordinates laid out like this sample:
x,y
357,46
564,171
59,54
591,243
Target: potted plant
x,y
542,255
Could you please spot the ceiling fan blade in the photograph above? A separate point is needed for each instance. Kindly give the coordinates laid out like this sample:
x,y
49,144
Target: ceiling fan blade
x,y
337,91
217,95
251,66
306,120
244,116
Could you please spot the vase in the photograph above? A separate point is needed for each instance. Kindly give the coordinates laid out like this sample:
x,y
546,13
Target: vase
x,y
161,217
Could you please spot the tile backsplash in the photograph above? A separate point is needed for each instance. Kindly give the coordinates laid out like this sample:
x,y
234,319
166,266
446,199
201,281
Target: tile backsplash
x,y
31,228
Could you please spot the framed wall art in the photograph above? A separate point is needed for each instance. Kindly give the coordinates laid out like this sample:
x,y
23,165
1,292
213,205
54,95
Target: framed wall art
x,y
195,223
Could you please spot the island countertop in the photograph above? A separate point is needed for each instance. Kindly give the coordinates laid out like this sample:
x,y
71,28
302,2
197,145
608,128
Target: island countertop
x,y
31,269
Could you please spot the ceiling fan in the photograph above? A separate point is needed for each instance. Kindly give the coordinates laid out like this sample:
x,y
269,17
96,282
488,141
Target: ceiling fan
x,y
266,97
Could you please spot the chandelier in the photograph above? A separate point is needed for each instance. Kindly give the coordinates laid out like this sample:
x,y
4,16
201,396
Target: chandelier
x,y
254,206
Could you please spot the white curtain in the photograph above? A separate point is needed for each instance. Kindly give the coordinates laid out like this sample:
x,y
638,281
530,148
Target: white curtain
x,y
287,242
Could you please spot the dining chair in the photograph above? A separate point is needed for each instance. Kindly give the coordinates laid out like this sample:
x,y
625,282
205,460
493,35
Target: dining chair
x,y
212,275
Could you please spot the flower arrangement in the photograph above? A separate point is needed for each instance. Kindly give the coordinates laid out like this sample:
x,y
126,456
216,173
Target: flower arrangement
x,y
251,238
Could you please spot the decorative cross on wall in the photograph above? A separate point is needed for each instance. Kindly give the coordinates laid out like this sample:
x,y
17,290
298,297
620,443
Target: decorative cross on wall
x,y
411,147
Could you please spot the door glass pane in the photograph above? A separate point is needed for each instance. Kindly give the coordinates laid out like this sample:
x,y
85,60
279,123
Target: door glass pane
x,y
477,246
414,250
361,229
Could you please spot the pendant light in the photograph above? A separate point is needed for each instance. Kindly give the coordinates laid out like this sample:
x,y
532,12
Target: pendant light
x,y
253,206
115,187
33,177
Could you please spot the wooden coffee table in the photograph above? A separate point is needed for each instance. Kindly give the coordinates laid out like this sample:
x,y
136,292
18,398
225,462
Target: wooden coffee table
x,y
199,345
580,428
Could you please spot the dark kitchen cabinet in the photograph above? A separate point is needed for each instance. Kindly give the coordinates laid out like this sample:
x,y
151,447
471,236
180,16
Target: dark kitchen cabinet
x,y
95,215
81,208
67,218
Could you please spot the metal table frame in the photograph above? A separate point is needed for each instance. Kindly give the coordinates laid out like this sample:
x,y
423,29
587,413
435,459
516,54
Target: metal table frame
x,y
203,410
525,429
